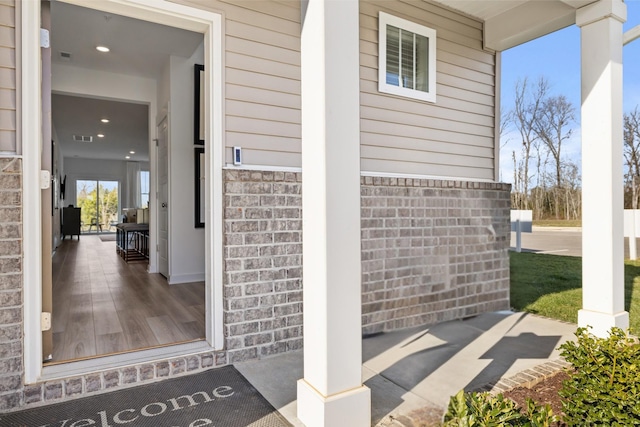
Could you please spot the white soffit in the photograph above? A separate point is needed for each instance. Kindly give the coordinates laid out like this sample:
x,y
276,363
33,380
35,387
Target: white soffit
x,y
508,23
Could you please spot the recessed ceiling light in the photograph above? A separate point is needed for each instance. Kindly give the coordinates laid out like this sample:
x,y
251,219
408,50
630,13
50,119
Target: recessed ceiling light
x,y
104,120
132,152
127,157
100,135
103,49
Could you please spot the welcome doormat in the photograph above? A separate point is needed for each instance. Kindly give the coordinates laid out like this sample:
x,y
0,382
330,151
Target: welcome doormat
x,y
220,397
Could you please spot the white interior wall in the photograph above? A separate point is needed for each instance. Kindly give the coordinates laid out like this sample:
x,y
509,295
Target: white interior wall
x,y
186,262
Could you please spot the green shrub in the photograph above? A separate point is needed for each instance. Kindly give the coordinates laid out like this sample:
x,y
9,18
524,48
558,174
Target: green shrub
x,y
604,387
485,410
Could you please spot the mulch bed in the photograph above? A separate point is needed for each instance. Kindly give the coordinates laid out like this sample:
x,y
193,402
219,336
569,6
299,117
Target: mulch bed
x,y
544,392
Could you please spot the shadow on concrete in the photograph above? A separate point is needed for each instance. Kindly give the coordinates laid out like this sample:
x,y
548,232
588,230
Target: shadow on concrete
x,y
413,373
403,359
510,349
455,336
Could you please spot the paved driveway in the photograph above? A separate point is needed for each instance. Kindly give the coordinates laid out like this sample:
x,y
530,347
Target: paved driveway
x,y
558,241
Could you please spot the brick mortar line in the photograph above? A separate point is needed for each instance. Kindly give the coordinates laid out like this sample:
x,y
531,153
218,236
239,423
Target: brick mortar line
x,y
538,374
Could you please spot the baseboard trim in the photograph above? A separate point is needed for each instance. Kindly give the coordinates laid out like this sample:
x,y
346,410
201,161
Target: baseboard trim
x,y
176,279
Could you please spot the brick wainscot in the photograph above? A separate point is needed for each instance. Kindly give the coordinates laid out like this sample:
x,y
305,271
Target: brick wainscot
x,y
432,250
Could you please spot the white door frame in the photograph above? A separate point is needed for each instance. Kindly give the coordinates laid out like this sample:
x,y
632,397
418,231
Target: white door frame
x,y
159,11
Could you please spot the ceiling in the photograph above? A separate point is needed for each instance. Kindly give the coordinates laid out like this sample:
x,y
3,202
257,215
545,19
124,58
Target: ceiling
x,y
126,131
137,48
489,9
509,23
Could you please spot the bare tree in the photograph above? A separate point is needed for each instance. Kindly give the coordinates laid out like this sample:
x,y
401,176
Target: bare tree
x,y
632,155
539,196
552,127
572,190
505,120
526,111
543,178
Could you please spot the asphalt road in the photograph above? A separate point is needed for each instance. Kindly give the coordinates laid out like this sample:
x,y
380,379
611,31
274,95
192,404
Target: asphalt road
x,y
558,241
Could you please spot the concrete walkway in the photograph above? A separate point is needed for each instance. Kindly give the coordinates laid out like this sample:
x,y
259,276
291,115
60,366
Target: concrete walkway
x,y
412,373
558,241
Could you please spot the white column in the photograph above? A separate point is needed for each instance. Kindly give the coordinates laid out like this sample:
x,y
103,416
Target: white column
x,y
331,393
602,197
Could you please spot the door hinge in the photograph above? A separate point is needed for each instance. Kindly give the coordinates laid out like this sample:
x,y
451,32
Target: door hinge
x,y
44,38
45,179
45,321
156,140
157,248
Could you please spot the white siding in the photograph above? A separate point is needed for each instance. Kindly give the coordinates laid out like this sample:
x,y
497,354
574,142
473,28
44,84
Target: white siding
x,y
453,137
262,80
7,76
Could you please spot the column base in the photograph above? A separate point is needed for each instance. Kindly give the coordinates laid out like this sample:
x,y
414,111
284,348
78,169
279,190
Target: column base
x,y
351,408
601,323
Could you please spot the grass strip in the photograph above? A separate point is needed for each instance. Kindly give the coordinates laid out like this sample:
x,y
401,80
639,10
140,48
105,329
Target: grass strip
x,y
551,286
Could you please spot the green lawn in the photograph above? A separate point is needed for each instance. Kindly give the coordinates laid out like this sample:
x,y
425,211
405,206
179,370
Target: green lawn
x,y
550,285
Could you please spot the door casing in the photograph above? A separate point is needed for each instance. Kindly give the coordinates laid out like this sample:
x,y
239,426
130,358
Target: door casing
x,y
47,194
30,122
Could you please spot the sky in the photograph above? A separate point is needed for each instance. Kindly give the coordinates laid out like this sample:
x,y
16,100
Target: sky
x,y
557,58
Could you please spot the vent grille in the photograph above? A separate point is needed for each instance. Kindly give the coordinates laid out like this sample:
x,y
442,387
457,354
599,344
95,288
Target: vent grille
x,y
82,138
65,55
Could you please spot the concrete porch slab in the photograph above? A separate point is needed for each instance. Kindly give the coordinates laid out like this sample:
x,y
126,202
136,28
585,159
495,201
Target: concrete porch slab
x,y
413,372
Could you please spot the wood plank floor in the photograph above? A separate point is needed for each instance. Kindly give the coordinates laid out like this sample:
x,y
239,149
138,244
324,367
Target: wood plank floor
x,y
103,305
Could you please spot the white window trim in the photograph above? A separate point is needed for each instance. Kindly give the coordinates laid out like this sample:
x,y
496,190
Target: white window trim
x,y
385,19
160,11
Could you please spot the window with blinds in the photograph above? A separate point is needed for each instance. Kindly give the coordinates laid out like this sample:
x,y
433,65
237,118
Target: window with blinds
x,y
406,58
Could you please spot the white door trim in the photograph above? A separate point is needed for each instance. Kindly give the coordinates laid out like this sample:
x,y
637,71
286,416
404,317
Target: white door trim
x,y
159,11
31,141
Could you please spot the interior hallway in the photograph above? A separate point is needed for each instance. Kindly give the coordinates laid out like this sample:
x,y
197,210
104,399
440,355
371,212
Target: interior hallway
x,y
103,305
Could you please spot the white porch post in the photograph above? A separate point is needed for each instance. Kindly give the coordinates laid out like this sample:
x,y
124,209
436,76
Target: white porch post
x,y
602,206
331,393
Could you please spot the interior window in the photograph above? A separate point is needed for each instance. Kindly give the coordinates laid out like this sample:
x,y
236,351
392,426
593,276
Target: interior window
x,y
144,188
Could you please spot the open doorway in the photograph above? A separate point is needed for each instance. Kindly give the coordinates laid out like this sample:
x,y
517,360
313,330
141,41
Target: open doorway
x,y
98,204
104,112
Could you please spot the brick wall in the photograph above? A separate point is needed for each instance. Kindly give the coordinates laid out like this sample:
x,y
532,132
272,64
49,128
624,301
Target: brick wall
x,y
85,385
10,281
109,380
263,263
432,251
